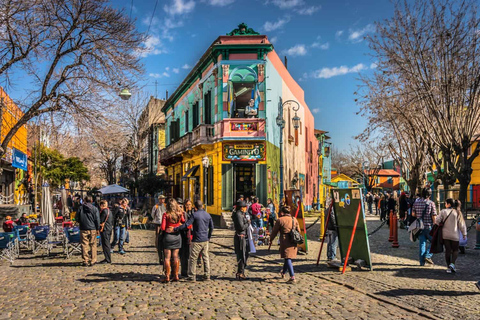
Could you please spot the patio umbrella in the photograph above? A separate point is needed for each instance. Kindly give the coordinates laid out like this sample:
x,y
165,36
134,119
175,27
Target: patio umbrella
x,y
113,188
47,207
65,210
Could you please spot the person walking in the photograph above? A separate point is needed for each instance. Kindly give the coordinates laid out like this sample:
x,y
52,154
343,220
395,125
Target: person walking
x,y
89,221
106,227
332,235
424,209
369,202
128,213
288,249
121,222
391,206
172,240
383,207
376,200
402,209
202,232
273,215
157,213
240,239
452,219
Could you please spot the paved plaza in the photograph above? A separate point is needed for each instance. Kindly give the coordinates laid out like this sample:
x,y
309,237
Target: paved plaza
x,y
54,287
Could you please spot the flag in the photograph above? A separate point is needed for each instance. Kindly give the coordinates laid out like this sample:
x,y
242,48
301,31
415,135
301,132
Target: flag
x,y
256,97
230,98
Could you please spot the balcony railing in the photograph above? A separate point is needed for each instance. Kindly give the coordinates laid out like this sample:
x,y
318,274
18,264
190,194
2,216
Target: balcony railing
x,y
203,134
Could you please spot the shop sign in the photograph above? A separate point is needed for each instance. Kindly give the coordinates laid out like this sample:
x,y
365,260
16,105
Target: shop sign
x,y
244,126
19,160
244,152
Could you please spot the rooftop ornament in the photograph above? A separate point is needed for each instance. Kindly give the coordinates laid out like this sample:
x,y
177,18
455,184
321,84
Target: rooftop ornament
x,y
242,30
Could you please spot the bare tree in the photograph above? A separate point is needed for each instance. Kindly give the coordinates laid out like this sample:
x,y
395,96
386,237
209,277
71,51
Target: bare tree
x,y
72,52
428,60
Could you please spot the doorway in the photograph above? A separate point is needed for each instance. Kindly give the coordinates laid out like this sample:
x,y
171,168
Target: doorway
x,y
244,180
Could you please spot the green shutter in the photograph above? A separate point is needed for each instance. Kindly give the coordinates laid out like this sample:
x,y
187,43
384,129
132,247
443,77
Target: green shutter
x,y
261,180
227,186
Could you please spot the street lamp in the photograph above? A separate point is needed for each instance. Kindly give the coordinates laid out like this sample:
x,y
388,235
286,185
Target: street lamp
x,y
319,153
281,124
205,164
363,173
125,94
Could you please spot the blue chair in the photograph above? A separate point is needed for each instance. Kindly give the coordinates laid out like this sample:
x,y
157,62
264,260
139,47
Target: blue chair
x,y
21,233
72,241
40,237
7,246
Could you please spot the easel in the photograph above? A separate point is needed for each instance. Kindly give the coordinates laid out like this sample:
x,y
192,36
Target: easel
x,y
325,231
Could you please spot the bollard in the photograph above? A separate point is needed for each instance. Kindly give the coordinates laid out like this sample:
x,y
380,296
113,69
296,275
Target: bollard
x,y
395,231
477,246
322,224
390,238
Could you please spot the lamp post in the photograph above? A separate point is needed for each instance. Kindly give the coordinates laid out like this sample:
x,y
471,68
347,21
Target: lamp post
x,y
205,164
363,173
319,153
281,124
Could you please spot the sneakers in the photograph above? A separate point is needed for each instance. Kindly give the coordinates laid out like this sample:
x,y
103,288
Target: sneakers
x,y
429,261
449,270
122,252
452,267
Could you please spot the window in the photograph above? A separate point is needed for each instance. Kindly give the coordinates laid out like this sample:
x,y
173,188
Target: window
x,y
207,108
187,129
195,121
174,131
390,180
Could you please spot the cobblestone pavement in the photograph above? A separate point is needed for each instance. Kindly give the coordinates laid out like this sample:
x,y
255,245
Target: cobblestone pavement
x,y
53,287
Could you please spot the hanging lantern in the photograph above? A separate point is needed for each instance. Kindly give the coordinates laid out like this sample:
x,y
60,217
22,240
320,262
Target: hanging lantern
x,y
125,94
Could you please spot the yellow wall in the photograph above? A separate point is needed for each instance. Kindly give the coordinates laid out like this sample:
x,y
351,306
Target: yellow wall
x,y
476,168
11,114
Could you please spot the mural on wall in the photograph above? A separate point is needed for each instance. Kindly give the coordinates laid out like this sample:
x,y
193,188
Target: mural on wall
x,y
301,180
244,151
244,126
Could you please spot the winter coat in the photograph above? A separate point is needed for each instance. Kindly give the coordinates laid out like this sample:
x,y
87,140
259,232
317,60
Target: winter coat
x,y
288,249
88,217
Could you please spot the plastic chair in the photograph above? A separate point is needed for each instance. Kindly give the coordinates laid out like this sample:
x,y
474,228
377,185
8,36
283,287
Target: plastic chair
x,y
7,246
72,241
40,237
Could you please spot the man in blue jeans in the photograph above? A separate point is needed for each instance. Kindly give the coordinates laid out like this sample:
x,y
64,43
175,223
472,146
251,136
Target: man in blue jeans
x,y
122,221
424,208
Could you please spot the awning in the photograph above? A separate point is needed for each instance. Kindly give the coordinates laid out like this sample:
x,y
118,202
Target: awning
x,y
190,173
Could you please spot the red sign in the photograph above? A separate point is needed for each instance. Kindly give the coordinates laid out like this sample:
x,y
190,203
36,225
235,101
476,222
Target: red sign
x,y
244,126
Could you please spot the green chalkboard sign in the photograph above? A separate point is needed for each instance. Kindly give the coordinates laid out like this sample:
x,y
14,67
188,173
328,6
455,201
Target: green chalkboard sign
x,y
346,202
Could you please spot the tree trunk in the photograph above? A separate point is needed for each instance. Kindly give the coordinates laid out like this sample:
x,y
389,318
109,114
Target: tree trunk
x,y
464,180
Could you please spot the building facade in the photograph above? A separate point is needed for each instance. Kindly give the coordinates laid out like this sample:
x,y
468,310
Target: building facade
x,y
13,176
226,111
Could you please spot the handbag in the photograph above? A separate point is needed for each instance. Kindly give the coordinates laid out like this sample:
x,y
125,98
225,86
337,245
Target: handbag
x,y
437,236
295,236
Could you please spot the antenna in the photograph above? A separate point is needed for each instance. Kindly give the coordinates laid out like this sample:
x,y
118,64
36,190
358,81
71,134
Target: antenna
x,y
156,83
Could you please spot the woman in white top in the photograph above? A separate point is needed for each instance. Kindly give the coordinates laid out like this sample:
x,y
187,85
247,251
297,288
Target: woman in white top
x,y
453,221
157,213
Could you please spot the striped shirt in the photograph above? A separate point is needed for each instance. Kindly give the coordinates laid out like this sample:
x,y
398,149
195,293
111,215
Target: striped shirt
x,y
418,208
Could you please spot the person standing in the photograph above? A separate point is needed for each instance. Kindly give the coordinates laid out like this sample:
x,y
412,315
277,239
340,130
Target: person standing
x,y
288,249
172,241
106,226
403,208
240,239
202,232
157,213
128,212
186,239
332,236
89,221
376,201
120,218
453,221
391,206
383,207
424,209
369,202
273,215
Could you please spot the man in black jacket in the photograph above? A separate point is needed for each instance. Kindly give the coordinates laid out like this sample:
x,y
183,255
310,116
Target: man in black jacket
x,y
89,221
122,221
240,223
106,226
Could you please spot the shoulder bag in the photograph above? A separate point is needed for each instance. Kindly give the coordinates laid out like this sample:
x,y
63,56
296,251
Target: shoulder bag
x,y
437,236
295,236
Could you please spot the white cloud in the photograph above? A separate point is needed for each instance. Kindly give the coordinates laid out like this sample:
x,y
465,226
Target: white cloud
x,y
326,73
179,7
308,11
287,4
373,65
159,75
316,110
338,34
219,3
271,26
357,35
273,40
323,46
186,66
297,50
167,68
151,46
176,70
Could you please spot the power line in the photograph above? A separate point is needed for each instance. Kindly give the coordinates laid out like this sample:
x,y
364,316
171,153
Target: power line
x,y
131,7
153,14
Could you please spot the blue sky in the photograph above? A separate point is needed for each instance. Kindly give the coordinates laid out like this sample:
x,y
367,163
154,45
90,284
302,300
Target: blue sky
x,y
323,41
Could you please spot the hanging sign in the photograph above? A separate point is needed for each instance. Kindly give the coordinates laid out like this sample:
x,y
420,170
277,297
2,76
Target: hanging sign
x,y
244,151
19,159
244,126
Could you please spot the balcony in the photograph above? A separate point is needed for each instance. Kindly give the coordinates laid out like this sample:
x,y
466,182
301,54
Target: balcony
x,y
241,128
203,134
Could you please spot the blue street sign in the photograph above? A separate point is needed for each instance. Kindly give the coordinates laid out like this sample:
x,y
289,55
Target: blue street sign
x,y
19,159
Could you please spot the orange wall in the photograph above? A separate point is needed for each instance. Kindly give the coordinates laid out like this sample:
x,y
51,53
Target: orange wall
x,y
11,114
384,183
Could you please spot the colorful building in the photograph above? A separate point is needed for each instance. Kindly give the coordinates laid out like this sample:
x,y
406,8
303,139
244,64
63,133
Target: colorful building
x,y
386,179
14,163
226,111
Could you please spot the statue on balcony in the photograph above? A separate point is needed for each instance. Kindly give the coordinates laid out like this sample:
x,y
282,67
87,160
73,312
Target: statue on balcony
x,y
251,110
242,30
295,180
